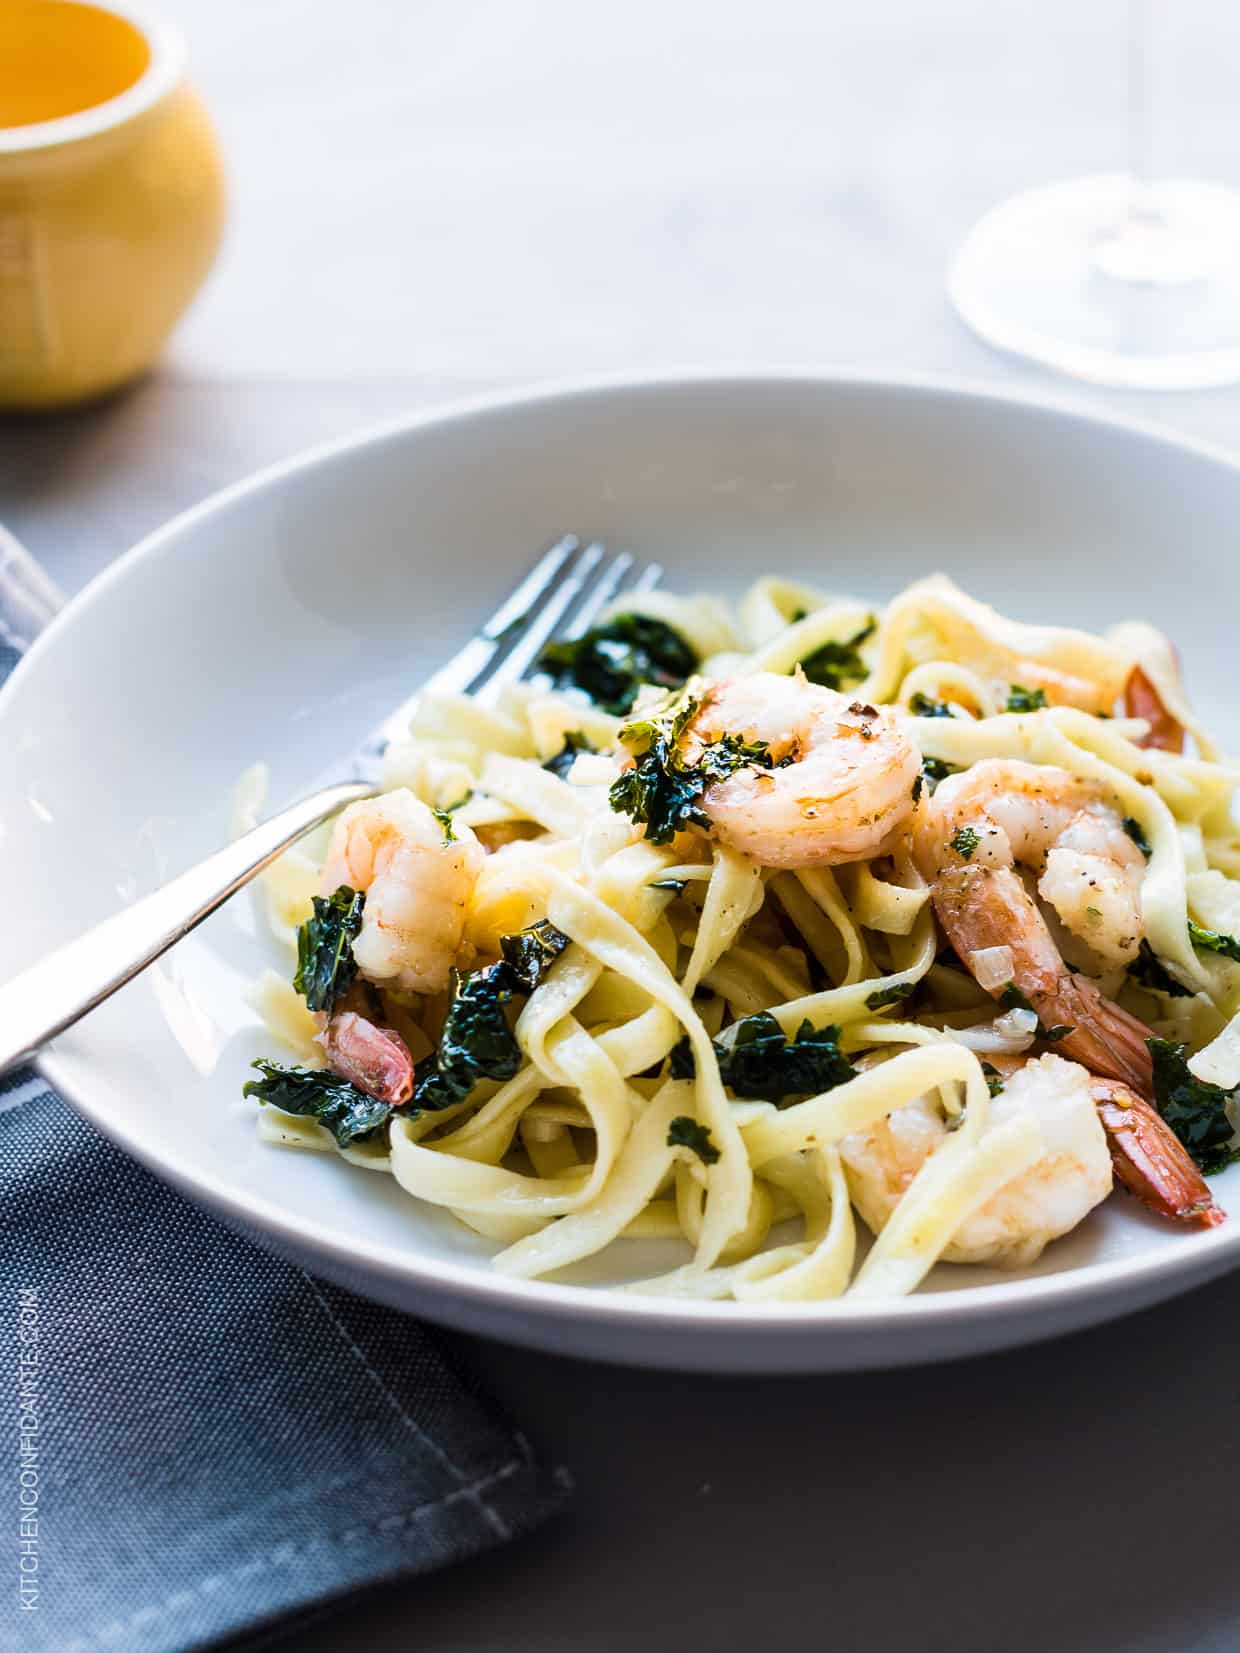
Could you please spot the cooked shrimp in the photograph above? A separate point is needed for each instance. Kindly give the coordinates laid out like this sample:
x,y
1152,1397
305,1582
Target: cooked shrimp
x,y
1072,1176
1057,825
417,888
844,781
376,1059
1150,1160
1142,699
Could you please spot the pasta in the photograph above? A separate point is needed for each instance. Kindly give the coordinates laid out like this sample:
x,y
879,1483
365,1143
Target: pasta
x,y
920,915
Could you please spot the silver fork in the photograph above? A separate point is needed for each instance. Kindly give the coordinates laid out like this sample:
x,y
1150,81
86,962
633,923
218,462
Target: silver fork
x,y
565,591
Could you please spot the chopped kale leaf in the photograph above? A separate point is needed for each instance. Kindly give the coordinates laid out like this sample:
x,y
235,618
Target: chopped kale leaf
x,y
566,757
444,818
890,995
477,1042
994,1079
1194,1110
1012,998
531,953
935,770
326,967
611,662
347,1112
661,791
1025,700
1212,941
1052,1035
834,664
684,1132
763,1064
918,788
1133,828
921,705
964,841
1148,971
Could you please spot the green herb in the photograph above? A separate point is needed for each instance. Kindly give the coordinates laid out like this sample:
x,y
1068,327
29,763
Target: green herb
x,y
1012,998
531,953
1148,971
834,664
477,1042
1211,941
918,788
964,841
661,791
611,662
1052,1035
347,1112
921,705
935,770
445,821
1133,828
684,1132
763,1063
1195,1110
325,964
1025,700
890,995
994,1079
566,757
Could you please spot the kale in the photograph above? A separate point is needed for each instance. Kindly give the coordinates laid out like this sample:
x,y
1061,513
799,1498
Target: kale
x,y
684,1132
935,770
834,664
890,995
347,1112
476,1041
1133,828
1193,1108
611,662
1012,998
964,841
531,953
1149,971
994,1079
326,967
918,787
444,818
1052,1035
763,1063
1024,700
921,705
566,757
1211,941
661,791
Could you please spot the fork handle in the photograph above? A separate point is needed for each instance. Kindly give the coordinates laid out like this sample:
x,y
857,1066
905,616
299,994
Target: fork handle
x,y
61,988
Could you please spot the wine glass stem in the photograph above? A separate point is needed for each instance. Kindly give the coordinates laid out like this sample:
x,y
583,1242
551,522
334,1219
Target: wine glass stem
x,y
1140,106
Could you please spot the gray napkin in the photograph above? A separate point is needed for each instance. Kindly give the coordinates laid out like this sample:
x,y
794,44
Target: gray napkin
x,y
209,1444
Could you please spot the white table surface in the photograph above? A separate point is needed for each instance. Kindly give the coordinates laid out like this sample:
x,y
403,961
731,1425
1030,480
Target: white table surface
x,y
434,197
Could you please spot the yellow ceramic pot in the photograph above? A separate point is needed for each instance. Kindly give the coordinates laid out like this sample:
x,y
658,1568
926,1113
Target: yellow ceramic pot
x,y
111,197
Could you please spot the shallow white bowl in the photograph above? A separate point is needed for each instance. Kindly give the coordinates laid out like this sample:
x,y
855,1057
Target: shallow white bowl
x,y
279,620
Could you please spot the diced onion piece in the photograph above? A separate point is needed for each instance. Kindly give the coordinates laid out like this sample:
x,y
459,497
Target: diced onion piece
x,y
1016,1024
1219,1062
998,1038
992,967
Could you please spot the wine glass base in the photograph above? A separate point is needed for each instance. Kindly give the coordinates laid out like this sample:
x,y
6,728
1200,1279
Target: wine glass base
x,y
1134,288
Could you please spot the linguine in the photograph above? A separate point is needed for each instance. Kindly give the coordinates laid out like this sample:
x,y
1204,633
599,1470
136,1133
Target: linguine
x,y
669,1018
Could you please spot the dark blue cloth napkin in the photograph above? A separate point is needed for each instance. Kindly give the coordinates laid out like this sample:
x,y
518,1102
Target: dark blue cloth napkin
x,y
204,1443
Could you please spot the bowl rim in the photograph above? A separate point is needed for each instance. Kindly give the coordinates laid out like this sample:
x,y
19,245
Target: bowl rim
x,y
1202,1252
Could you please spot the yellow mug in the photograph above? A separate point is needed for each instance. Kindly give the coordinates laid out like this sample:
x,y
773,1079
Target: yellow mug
x,y
111,197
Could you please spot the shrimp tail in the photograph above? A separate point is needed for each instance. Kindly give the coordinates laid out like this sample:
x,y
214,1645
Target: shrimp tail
x,y
1105,1038
1149,1159
375,1059
1142,699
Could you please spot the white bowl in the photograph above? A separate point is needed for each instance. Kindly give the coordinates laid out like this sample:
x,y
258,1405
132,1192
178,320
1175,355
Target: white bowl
x,y
279,620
